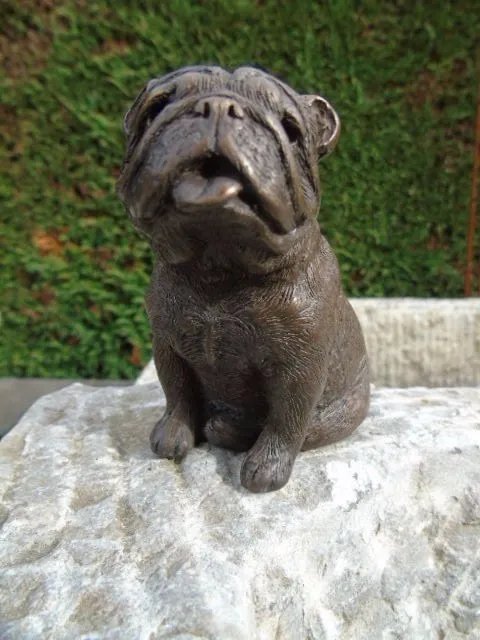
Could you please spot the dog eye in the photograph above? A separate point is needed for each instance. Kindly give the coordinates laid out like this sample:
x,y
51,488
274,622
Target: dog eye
x,y
292,128
156,109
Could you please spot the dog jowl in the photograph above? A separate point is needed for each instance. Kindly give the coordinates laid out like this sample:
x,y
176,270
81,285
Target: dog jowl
x,y
255,344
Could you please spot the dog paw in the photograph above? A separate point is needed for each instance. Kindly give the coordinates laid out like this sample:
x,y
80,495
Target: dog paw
x,y
171,438
267,467
221,433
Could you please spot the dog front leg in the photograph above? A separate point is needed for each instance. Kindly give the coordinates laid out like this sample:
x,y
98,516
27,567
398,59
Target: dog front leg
x,y
175,433
268,464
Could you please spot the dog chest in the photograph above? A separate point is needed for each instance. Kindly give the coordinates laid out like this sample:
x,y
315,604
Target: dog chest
x,y
213,338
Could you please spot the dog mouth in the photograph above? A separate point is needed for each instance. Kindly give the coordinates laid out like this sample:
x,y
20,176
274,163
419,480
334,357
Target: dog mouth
x,y
216,183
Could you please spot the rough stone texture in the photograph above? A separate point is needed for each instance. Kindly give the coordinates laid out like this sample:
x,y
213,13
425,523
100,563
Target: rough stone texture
x,y
416,342
374,537
431,342
18,394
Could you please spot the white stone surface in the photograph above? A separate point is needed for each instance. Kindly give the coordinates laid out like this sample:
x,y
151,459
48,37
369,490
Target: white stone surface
x,y
411,341
415,342
376,537
148,374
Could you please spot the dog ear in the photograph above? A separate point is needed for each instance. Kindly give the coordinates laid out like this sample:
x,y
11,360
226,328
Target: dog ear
x,y
130,118
325,124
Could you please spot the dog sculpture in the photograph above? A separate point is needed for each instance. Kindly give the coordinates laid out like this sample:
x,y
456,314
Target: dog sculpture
x,y
254,342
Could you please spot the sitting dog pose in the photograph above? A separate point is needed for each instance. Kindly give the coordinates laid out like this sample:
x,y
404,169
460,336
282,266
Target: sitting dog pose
x,y
255,344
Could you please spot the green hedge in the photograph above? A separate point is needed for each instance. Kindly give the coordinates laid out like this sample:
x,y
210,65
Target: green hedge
x,y
73,271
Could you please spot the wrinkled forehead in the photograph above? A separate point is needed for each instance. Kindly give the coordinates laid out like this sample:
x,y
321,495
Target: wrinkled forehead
x,y
249,82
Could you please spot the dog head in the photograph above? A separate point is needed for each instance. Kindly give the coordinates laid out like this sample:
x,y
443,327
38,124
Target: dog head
x,y
224,163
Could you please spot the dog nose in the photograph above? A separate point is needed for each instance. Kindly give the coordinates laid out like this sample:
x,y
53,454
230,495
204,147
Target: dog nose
x,y
214,107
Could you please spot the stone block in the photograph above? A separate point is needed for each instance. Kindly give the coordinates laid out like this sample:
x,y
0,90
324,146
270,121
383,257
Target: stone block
x,y
376,537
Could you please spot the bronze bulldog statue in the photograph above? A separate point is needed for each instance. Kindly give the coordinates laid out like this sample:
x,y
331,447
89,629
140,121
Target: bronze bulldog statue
x,y
254,342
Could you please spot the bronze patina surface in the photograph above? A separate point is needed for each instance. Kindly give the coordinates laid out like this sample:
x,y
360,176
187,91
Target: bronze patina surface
x,y
255,344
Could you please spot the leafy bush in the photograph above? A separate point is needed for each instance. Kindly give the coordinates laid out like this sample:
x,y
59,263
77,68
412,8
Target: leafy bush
x,y
73,273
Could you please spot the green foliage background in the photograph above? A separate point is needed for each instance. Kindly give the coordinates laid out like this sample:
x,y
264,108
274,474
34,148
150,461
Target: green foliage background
x,y
401,74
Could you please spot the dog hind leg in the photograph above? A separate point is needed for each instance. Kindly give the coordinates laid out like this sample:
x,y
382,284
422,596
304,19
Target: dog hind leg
x,y
341,417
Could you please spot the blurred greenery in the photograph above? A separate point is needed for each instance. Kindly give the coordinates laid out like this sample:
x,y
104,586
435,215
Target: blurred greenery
x,y
401,73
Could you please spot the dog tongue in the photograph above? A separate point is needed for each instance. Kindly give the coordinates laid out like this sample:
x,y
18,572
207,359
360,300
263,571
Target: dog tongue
x,y
194,190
